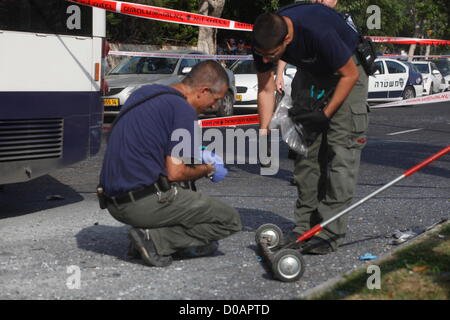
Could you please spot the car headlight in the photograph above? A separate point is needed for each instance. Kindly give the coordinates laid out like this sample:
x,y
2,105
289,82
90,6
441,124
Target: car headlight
x,y
418,80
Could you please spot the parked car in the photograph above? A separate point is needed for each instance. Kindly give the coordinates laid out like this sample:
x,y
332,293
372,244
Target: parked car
x,y
444,67
432,77
134,72
394,80
247,83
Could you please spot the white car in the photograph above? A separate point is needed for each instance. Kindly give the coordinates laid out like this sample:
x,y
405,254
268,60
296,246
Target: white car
x,y
432,77
247,83
394,80
444,67
134,72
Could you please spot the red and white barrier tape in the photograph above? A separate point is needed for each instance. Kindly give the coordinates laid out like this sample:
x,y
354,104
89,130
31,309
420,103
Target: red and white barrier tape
x,y
402,40
252,119
229,57
183,17
229,121
415,56
435,98
179,55
167,15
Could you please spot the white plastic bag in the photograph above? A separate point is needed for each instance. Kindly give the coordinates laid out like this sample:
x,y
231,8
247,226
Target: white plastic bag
x,y
292,133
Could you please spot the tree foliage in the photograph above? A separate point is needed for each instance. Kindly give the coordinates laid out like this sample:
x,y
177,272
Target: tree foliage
x,y
128,29
403,18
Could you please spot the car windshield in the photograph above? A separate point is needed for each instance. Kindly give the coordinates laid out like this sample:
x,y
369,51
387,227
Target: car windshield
x,y
422,67
413,67
443,66
145,65
244,67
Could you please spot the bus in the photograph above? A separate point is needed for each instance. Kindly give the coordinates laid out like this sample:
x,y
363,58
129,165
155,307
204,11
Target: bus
x,y
51,112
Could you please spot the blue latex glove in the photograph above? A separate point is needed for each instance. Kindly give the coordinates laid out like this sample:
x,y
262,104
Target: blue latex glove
x,y
215,160
210,157
220,174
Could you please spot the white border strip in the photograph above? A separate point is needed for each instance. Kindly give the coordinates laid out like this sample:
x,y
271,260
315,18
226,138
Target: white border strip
x,y
177,55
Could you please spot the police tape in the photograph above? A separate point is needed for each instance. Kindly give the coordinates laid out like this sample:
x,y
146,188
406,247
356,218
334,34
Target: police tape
x,y
253,119
416,56
403,40
228,57
195,19
181,56
435,98
229,121
167,15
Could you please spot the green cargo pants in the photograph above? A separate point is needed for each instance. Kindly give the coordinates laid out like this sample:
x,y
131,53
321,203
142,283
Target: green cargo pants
x,y
327,176
191,219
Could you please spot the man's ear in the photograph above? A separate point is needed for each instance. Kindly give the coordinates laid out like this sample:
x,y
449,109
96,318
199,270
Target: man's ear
x,y
287,39
204,90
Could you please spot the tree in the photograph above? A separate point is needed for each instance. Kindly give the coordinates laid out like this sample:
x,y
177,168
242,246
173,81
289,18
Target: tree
x,y
128,29
428,19
207,37
402,18
247,11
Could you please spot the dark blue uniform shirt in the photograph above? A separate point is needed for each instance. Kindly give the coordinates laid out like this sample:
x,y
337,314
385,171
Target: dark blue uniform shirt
x,y
323,42
141,140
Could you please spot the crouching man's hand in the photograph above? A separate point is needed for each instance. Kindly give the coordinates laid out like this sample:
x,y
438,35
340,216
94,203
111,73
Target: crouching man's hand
x,y
209,157
219,171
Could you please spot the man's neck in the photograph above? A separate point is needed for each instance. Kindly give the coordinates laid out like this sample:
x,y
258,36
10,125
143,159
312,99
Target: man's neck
x,y
185,91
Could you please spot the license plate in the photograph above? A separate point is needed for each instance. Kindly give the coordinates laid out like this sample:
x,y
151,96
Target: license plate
x,y
239,97
111,102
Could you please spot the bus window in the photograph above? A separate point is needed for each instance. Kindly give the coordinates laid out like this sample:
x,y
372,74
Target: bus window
x,y
45,16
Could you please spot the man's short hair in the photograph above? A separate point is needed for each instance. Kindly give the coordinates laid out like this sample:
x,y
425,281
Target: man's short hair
x,y
269,31
208,73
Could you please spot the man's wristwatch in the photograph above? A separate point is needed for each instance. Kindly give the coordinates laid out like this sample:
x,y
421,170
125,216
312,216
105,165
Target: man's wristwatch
x,y
212,173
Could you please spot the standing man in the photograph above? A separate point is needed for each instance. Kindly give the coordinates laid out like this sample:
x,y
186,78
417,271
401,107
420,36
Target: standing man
x,y
141,173
279,79
317,40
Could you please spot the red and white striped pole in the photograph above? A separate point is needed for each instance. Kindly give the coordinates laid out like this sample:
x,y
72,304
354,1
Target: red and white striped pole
x,y
319,227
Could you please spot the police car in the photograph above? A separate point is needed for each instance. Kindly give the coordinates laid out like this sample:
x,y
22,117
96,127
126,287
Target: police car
x,y
394,80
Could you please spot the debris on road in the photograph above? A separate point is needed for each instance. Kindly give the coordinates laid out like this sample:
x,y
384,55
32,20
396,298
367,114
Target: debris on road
x,y
367,257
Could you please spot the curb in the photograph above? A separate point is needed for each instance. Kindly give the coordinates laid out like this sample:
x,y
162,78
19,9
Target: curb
x,y
327,285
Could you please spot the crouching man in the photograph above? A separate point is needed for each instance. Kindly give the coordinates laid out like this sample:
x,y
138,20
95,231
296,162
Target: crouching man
x,y
141,176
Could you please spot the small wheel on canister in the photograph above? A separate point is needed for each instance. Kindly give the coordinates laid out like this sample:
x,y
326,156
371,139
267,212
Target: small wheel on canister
x,y
271,233
288,265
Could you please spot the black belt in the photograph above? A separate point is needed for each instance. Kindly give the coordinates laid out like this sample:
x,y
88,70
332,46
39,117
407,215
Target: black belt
x,y
139,194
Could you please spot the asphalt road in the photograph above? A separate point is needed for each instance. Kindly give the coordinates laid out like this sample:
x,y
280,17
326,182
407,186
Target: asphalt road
x,y
40,239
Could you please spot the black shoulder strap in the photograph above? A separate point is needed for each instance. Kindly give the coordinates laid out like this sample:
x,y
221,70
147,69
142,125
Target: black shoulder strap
x,y
121,114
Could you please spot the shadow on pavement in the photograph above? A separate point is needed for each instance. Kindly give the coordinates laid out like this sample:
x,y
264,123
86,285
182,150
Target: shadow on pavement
x,y
105,240
42,193
253,218
113,241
